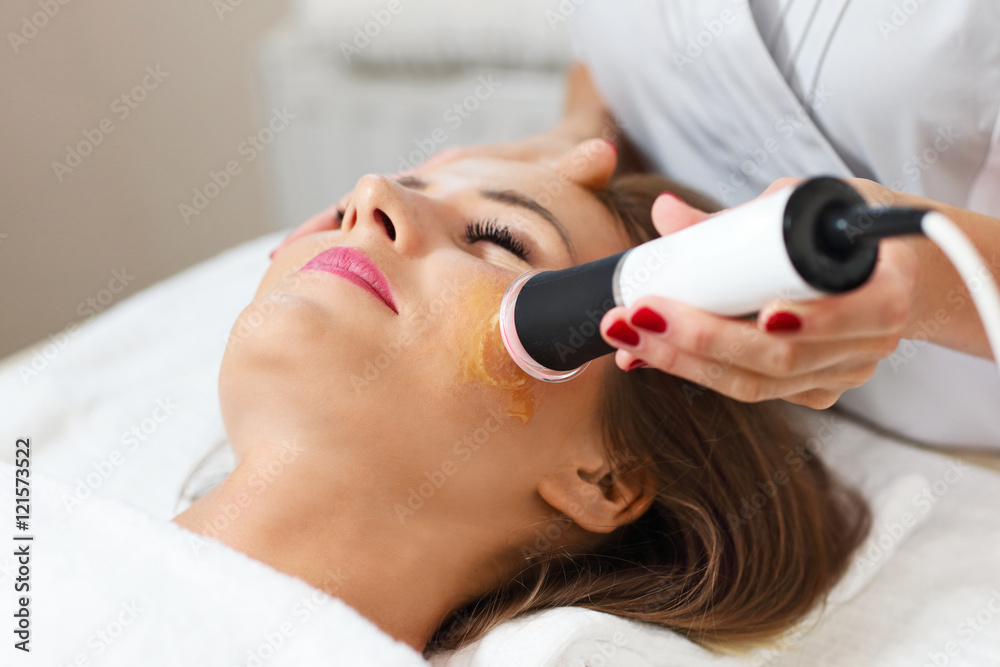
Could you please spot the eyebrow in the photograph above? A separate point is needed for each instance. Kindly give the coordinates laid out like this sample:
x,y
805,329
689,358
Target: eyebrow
x,y
411,182
510,198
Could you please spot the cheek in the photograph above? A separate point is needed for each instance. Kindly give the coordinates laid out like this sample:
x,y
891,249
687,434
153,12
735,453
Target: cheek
x,y
484,361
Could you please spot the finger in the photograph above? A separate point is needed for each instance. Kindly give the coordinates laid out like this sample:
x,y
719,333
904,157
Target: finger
x,y
624,359
321,222
671,214
589,164
878,308
627,361
817,399
752,387
782,184
443,156
844,377
659,322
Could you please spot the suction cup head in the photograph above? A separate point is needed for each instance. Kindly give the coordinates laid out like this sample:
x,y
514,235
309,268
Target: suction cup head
x,y
512,342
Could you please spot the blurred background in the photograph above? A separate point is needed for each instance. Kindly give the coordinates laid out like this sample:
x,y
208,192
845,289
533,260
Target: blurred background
x,y
140,138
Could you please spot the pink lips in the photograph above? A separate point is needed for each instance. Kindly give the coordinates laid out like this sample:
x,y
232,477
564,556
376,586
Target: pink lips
x,y
355,266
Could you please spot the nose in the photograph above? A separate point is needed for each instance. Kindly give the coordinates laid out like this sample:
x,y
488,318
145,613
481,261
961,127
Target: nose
x,y
386,209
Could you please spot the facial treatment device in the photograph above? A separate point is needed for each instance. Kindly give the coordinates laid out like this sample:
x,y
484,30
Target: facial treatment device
x,y
802,243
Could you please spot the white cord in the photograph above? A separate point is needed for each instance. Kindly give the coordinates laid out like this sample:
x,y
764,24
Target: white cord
x,y
973,270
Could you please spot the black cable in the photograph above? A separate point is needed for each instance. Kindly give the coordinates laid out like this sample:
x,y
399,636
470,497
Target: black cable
x,y
842,228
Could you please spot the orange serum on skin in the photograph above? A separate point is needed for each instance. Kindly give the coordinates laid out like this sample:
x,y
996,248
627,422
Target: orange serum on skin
x,y
486,361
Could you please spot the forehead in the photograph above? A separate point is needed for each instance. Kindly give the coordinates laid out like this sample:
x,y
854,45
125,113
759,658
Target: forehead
x,y
592,227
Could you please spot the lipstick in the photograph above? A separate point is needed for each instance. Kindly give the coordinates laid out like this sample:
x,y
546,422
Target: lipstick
x,y
355,266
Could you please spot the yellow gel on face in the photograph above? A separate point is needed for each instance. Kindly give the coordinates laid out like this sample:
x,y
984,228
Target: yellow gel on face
x,y
486,360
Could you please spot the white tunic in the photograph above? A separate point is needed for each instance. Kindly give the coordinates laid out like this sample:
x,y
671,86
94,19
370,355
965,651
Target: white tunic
x,y
728,96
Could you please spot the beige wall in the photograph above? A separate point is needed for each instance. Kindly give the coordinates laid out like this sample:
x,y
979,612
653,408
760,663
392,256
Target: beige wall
x,y
62,241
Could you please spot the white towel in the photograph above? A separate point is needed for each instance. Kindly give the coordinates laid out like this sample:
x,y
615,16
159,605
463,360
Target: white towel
x,y
111,585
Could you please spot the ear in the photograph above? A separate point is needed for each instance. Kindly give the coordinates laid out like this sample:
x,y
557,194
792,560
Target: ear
x,y
589,164
585,490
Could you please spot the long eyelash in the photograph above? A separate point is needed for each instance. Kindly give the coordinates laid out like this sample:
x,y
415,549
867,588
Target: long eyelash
x,y
489,230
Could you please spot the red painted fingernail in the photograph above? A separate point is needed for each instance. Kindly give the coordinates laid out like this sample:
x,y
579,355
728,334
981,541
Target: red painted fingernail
x,y
623,333
784,322
638,363
648,319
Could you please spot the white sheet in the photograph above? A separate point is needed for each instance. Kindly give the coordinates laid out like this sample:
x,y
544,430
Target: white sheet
x,y
166,343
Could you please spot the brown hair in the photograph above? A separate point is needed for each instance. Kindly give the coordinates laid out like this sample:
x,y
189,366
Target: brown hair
x,y
748,530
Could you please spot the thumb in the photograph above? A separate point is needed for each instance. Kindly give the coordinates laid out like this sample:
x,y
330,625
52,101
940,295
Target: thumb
x,y
671,214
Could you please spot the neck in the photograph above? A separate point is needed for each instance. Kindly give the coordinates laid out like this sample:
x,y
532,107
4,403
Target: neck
x,y
343,537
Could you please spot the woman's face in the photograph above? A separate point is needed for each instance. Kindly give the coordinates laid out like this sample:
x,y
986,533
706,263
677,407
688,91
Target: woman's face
x,y
411,375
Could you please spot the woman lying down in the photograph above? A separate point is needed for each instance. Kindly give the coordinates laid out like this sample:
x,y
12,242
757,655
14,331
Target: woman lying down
x,y
454,492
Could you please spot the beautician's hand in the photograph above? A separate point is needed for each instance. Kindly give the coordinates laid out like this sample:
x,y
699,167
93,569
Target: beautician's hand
x,y
807,353
547,147
557,148
585,117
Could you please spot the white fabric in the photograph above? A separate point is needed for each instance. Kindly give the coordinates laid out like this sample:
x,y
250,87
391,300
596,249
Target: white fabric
x,y
905,605
907,97
906,600
150,364
111,585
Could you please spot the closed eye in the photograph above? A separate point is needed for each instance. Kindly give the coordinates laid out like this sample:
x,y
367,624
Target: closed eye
x,y
492,232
